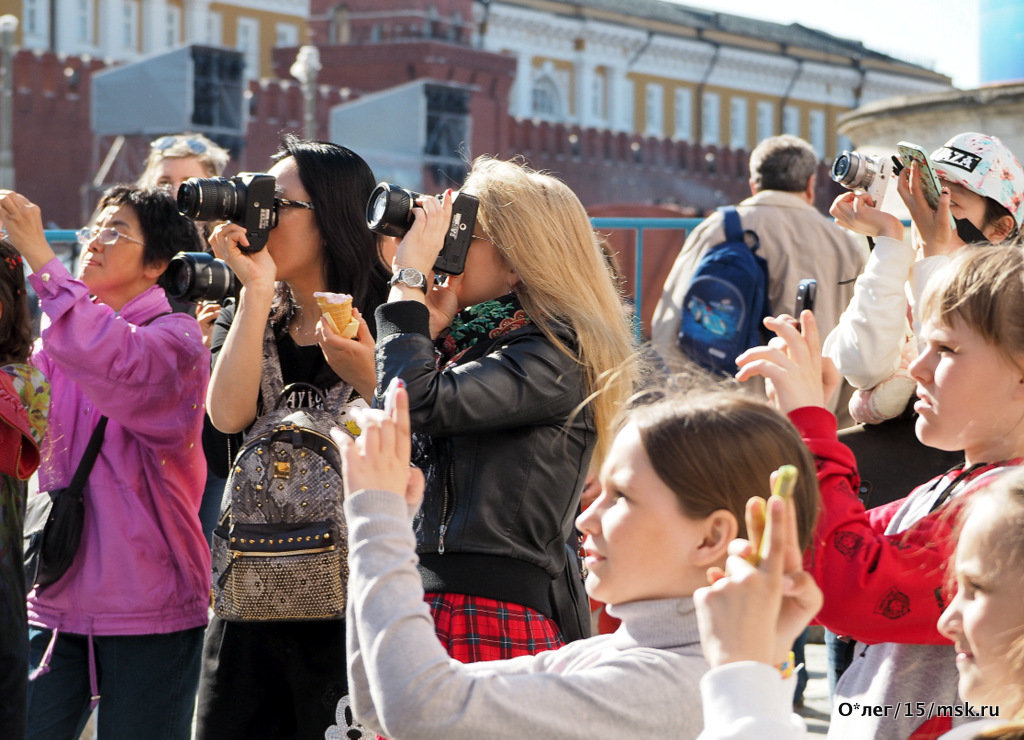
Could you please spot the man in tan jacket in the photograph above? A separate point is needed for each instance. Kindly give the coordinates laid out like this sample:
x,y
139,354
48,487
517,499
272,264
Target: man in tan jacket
x,y
796,240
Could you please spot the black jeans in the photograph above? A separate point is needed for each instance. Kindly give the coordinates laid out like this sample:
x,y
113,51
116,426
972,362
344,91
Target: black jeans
x,y
270,679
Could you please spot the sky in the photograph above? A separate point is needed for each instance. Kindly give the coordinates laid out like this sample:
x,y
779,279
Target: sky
x,y
937,34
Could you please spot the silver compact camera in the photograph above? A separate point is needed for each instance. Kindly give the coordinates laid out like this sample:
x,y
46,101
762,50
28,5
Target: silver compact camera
x,y
869,173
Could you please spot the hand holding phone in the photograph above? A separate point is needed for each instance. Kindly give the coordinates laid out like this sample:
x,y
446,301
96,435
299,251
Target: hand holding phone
x,y
930,185
806,294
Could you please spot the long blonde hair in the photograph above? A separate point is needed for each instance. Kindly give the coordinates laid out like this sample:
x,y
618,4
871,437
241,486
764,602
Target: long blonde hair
x,y
543,232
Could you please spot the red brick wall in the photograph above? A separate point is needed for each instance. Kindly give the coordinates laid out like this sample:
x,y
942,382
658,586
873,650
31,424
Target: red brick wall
x,y
52,138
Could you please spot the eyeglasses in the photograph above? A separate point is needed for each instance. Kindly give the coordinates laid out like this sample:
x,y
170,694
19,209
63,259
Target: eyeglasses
x,y
166,142
107,236
288,203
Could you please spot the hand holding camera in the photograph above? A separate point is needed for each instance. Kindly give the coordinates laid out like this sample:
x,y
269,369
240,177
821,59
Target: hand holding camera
x,y
249,202
391,211
254,270
858,213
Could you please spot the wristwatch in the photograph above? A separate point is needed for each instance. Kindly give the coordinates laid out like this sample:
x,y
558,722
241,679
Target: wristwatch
x,y
411,277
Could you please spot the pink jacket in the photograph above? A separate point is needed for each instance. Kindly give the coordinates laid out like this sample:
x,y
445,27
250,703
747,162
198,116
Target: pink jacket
x,y
143,566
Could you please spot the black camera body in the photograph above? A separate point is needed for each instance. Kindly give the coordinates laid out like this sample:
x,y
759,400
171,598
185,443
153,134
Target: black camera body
x,y
389,212
246,199
198,276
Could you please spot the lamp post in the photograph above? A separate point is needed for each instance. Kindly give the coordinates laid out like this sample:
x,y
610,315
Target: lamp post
x,y
8,25
304,69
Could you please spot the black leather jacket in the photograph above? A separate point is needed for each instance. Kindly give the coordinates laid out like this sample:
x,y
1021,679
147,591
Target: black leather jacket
x,y
504,455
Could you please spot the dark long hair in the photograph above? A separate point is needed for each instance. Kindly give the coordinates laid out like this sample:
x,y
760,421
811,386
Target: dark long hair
x,y
339,183
15,322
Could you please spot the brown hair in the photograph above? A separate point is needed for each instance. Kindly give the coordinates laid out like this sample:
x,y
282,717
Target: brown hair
x,y
15,321
984,288
716,449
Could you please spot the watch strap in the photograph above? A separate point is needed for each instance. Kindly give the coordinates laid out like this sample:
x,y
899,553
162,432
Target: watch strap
x,y
402,276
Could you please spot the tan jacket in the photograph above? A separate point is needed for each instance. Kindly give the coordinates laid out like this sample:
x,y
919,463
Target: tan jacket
x,y
796,240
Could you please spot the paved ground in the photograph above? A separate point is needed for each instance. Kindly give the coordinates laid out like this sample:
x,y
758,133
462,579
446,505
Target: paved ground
x,y
817,707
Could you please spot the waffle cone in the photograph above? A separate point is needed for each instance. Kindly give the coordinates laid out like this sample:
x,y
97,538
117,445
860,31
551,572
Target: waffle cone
x,y
338,313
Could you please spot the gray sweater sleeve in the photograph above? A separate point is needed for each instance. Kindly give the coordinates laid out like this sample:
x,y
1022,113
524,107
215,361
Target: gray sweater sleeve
x,y
404,685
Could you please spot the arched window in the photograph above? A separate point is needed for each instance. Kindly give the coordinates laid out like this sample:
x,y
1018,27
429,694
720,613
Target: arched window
x,y
341,30
546,101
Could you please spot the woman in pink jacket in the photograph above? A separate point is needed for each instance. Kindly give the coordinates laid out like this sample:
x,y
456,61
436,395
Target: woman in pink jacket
x,y
123,627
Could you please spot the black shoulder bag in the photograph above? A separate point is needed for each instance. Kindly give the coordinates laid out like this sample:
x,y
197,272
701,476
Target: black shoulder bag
x,y
54,520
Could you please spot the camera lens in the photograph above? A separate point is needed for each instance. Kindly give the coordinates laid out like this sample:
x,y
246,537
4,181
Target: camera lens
x,y
855,171
389,209
841,167
197,276
209,199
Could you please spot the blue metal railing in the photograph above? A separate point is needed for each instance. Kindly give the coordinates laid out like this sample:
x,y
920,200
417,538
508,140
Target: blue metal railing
x,y
640,224
68,236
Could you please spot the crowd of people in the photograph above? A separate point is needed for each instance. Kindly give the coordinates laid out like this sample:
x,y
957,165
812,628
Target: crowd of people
x,y
295,531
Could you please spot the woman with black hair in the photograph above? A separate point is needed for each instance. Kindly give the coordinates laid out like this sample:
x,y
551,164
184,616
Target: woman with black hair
x,y
277,679
123,627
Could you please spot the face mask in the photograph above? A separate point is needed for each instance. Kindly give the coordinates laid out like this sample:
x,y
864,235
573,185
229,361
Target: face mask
x,y
968,232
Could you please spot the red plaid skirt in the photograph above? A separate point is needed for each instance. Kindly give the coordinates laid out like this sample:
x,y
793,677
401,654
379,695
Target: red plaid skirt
x,y
473,628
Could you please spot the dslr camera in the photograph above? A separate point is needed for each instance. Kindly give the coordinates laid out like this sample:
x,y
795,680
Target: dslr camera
x,y
872,174
198,276
389,212
246,199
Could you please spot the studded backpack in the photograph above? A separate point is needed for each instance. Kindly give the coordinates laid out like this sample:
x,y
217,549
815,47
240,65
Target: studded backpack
x,y
280,548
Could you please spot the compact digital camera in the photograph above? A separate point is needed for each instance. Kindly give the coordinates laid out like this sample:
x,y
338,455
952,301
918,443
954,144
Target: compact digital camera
x,y
246,199
198,276
389,212
872,174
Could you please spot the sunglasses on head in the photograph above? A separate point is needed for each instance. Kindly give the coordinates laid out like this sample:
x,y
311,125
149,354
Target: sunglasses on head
x,y
166,142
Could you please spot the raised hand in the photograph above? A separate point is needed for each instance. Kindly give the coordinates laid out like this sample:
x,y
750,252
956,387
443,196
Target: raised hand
x,y
796,374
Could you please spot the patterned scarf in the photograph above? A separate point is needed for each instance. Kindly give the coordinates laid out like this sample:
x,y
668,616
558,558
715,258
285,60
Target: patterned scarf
x,y
487,320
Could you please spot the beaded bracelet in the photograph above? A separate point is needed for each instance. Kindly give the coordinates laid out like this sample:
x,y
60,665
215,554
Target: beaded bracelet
x,y
787,666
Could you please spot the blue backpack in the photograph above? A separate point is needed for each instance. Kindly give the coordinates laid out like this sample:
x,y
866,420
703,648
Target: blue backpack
x,y
727,300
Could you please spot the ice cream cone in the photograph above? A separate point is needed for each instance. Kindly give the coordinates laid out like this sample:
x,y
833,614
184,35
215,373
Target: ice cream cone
x,y
337,309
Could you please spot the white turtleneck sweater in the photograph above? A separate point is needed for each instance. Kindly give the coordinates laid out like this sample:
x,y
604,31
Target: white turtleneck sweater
x,y
641,681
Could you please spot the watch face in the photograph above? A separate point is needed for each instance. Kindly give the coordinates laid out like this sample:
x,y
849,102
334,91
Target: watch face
x,y
412,277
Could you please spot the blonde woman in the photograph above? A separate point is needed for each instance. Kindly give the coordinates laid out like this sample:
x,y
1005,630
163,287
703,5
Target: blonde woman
x,y
502,366
175,158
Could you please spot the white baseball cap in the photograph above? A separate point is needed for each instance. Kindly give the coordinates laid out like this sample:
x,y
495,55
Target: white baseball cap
x,y
983,165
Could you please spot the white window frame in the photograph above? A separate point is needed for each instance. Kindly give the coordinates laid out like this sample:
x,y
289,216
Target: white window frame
x,y
737,123
765,119
816,121
545,98
791,120
711,119
83,21
654,109
130,25
286,34
215,28
37,22
683,105
173,31
597,83
247,41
